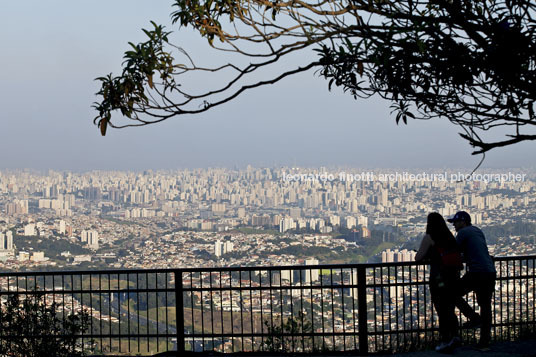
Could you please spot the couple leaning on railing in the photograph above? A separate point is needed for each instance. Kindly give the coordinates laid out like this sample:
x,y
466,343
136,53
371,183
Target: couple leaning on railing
x,y
444,252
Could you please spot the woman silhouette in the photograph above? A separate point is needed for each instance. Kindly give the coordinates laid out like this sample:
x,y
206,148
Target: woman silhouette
x,y
436,243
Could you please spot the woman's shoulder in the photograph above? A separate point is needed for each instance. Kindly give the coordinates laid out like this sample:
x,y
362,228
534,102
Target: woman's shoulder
x,y
428,238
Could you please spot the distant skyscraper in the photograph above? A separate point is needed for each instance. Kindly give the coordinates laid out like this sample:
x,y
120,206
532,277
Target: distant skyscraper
x,y
6,242
90,237
29,229
350,222
295,212
61,227
218,248
286,224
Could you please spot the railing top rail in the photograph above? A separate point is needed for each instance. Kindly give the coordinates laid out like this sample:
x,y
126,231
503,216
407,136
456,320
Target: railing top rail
x,y
231,268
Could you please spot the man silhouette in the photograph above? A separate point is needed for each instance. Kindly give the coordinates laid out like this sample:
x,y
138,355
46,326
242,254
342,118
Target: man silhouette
x,y
480,276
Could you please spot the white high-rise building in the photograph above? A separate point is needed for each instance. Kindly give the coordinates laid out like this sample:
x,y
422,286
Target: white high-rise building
x,y
9,240
61,227
29,229
221,248
218,248
91,238
286,224
335,220
227,247
350,222
6,244
362,221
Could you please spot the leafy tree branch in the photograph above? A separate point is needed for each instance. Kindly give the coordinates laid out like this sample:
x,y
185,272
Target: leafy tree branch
x,y
470,62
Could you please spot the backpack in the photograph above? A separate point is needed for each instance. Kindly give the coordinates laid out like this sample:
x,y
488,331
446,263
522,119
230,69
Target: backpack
x,y
450,258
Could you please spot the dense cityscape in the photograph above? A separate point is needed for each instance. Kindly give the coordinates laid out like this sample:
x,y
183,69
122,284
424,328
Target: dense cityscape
x,y
254,216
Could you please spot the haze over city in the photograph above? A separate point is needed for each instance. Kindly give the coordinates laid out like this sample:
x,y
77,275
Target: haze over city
x,y
54,51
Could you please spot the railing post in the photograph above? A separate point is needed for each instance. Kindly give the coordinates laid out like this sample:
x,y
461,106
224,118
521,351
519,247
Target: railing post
x,y
362,309
179,312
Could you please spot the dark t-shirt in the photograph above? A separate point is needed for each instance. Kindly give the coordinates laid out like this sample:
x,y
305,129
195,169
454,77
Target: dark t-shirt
x,y
473,245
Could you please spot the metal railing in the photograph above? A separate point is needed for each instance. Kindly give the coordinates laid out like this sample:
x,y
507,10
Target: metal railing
x,y
364,308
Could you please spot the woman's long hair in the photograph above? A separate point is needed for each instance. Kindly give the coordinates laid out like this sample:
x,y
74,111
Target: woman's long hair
x,y
437,228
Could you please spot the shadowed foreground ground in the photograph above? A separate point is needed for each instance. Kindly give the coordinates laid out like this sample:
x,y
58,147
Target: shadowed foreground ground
x,y
517,348
523,348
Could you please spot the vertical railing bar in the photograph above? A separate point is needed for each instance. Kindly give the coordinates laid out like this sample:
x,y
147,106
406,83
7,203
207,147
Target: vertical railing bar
x,y
290,291
166,279
321,307
281,310
251,313
362,309
425,290
81,300
353,294
514,327
397,336
262,315
147,311
63,302
501,298
312,309
403,337
110,310
410,267
527,295
179,312
192,299
417,297
54,292
494,311
91,303
157,320
271,305
203,310
382,304
212,309
231,305
508,298
390,306
343,316
128,310
119,308
302,312
221,310
332,306
138,308
72,294
241,310
533,292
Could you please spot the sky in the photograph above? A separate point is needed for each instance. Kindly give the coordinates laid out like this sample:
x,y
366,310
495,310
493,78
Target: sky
x,y
52,51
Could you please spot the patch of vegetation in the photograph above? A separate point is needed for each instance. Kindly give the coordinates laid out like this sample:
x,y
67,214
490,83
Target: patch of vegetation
x,y
52,247
31,327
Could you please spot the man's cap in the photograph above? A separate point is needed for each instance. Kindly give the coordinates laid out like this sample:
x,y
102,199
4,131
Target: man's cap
x,y
460,216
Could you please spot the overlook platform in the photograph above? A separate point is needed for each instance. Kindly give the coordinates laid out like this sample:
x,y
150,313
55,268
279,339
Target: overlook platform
x,y
351,309
521,348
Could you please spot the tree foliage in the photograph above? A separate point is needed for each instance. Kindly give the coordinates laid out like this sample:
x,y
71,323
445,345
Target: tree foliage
x,y
472,62
32,328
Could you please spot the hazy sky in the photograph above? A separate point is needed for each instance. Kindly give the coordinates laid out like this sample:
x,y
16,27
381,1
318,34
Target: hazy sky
x,y
52,51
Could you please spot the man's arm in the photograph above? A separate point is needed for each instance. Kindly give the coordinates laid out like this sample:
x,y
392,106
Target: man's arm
x,y
461,237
